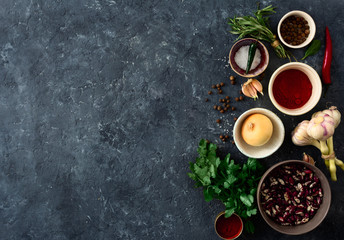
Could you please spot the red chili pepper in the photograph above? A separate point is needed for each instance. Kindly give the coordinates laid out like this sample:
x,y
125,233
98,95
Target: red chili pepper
x,y
326,67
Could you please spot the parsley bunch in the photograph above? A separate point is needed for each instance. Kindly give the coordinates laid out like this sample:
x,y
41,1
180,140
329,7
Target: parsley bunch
x,y
233,184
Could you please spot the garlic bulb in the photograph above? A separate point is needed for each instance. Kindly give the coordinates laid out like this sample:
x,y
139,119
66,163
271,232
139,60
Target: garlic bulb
x,y
321,127
300,136
335,114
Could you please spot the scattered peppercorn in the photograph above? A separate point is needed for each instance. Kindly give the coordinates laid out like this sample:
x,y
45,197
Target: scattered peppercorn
x,y
225,109
226,136
218,120
240,92
215,107
222,84
233,142
237,99
222,111
210,92
235,119
241,98
206,99
231,78
228,106
219,108
220,91
228,101
227,97
218,85
233,108
213,86
221,136
233,82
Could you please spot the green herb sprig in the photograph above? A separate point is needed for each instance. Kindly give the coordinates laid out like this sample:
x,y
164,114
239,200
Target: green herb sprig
x,y
258,27
312,49
233,184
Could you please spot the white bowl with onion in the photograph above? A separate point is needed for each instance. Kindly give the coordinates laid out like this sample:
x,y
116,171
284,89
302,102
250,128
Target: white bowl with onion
x,y
238,57
270,145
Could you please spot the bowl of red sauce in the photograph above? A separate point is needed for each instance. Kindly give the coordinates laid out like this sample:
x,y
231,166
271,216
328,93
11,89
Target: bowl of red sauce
x,y
228,228
295,88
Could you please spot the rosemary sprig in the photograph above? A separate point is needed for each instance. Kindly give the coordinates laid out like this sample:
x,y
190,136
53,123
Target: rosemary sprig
x,y
258,27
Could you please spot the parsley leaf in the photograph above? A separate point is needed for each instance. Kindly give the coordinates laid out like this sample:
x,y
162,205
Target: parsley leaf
x,y
233,184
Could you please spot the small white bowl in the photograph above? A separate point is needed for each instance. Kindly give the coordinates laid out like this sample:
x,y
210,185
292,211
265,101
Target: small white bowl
x,y
267,149
311,24
316,88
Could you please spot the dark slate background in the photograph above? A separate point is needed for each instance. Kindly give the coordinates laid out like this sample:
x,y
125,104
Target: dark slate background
x,y
102,108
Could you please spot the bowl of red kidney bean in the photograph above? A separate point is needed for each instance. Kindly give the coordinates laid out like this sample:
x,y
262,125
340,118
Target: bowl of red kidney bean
x,y
296,29
293,197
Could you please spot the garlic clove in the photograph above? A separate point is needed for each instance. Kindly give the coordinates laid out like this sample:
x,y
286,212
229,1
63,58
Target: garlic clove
x,y
307,158
257,85
249,91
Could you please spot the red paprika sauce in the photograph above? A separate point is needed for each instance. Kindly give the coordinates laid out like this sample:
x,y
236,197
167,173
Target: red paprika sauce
x,y
229,228
292,89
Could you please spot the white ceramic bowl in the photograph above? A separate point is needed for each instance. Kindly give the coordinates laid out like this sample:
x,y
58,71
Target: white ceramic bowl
x,y
311,24
316,88
267,149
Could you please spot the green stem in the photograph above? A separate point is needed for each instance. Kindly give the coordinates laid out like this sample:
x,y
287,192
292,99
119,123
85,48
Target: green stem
x,y
324,151
316,144
332,163
330,145
333,169
324,148
339,163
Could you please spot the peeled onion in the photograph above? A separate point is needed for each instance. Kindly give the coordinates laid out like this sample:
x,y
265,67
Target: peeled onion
x,y
257,130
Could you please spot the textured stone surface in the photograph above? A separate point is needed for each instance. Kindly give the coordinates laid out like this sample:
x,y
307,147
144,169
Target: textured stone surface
x,y
102,107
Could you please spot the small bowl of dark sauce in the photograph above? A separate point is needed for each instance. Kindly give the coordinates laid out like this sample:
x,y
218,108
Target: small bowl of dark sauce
x,y
295,88
228,228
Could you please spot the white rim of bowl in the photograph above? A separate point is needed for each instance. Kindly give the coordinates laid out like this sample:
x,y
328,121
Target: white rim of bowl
x,y
268,113
311,24
293,112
